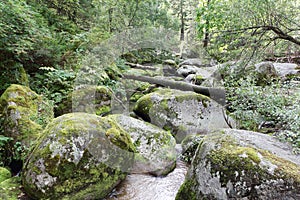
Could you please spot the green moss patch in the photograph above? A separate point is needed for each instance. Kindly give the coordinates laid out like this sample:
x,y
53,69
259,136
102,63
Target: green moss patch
x,y
79,156
4,174
11,189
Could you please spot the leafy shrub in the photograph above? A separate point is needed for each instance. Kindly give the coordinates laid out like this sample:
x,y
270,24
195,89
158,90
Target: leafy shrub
x,y
54,84
3,150
12,152
273,109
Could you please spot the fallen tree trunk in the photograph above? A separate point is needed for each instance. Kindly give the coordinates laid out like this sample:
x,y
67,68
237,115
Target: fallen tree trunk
x,y
217,94
138,66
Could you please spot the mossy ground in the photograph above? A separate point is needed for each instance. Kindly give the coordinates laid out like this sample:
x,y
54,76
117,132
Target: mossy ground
x,y
11,189
187,191
4,174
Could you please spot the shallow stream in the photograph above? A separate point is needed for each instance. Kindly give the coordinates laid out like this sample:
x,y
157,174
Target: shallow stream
x,y
148,187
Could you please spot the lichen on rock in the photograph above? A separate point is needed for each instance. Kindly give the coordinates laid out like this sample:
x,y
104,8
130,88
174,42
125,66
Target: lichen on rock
x,y
79,156
24,113
89,98
155,147
234,164
181,112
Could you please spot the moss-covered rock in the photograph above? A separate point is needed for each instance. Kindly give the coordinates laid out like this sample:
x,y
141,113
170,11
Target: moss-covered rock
x,y
189,147
79,156
156,152
181,112
11,189
89,99
4,174
24,113
236,164
265,73
156,70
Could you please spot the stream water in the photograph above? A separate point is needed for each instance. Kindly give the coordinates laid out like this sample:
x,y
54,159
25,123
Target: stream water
x,y
148,187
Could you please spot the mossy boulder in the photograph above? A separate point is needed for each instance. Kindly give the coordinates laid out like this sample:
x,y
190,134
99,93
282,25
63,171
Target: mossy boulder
x,y
181,112
265,73
4,174
189,146
24,113
155,147
237,164
156,70
12,189
90,99
79,156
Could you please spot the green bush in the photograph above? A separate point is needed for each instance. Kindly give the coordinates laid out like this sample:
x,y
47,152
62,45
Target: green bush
x,y
54,84
272,109
11,151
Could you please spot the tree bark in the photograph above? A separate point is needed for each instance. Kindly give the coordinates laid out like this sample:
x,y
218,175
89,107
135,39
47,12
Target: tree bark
x,y
280,34
182,21
138,66
206,34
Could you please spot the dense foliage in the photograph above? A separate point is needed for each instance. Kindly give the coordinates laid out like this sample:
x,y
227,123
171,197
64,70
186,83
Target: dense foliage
x,y
265,27
44,43
271,108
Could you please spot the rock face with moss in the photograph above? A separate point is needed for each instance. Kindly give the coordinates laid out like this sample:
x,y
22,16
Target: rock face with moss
x,y
90,99
23,113
79,156
236,164
155,147
181,112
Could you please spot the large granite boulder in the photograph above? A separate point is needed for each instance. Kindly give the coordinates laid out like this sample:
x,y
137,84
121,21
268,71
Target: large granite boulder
x,y
181,112
79,156
265,72
23,114
155,147
89,98
286,69
237,164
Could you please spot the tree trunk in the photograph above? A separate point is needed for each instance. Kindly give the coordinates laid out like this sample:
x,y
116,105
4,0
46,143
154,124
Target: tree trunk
x,y
110,13
182,21
206,34
217,94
